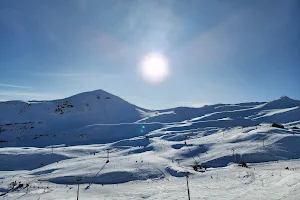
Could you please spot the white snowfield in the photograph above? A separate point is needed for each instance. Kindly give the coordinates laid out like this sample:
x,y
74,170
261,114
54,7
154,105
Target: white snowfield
x,y
112,149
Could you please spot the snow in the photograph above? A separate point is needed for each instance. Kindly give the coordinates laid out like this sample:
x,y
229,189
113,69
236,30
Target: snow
x,y
116,150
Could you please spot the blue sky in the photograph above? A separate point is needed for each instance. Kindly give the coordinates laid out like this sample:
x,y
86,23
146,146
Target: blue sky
x,y
224,51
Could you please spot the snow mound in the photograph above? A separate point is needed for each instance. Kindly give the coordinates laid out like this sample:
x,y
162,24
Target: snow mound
x,y
114,177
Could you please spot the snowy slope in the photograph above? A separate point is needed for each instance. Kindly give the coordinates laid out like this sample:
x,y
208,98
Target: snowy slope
x,y
116,150
73,112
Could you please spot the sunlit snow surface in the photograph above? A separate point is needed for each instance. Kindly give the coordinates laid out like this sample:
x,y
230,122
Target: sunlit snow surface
x,y
116,150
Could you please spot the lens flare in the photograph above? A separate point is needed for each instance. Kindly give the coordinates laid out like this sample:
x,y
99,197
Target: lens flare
x,y
154,68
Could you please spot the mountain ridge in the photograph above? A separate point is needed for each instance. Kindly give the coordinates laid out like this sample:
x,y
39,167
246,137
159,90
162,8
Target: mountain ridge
x,y
92,112
105,93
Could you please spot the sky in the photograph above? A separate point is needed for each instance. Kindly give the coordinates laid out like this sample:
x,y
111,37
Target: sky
x,y
218,51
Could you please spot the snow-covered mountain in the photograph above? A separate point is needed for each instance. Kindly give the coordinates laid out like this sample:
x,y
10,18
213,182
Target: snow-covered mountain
x,y
72,112
97,138
100,117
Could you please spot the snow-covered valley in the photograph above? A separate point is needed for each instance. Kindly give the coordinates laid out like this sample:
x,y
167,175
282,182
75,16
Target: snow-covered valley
x,y
115,150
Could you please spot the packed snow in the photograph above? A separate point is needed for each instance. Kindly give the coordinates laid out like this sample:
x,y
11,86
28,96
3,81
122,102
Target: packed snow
x,y
111,149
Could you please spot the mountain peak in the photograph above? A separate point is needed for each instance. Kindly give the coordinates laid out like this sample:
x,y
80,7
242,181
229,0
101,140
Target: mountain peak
x,y
94,93
285,98
282,102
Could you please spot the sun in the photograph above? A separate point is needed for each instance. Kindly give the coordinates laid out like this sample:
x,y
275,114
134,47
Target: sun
x,y
154,67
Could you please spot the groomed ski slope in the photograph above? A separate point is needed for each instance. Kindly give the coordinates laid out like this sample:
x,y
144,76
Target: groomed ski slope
x,y
146,155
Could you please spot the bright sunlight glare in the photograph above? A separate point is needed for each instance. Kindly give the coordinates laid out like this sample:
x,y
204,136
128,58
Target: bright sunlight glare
x,y
154,67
